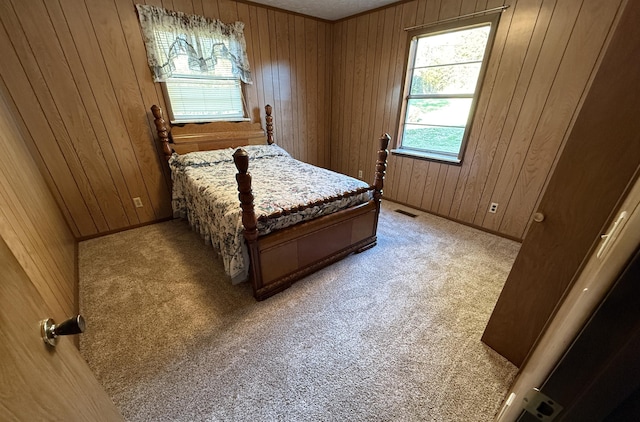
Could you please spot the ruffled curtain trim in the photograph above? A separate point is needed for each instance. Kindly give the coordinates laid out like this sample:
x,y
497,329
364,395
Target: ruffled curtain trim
x,y
168,34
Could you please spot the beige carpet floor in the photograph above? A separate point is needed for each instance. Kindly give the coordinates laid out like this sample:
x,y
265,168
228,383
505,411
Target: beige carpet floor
x,y
391,334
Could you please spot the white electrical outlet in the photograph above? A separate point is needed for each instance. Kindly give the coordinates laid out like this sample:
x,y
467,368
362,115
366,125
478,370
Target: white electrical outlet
x,y
359,174
137,202
493,207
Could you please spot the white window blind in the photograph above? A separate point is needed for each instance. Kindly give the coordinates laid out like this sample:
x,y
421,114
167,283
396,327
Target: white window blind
x,y
205,99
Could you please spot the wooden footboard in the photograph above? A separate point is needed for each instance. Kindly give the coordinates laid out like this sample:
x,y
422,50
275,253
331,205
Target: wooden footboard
x,y
283,257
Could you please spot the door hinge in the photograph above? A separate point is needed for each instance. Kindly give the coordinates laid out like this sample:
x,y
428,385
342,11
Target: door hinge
x,y
541,406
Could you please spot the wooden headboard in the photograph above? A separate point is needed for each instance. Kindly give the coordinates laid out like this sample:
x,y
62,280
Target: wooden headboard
x,y
208,136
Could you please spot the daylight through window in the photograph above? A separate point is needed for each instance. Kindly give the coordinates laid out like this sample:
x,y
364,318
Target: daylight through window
x,y
444,73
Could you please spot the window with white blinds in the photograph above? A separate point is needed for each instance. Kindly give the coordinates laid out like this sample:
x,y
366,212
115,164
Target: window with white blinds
x,y
197,97
204,99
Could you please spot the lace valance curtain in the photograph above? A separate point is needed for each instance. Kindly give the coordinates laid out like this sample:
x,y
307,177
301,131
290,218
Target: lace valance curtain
x,y
168,34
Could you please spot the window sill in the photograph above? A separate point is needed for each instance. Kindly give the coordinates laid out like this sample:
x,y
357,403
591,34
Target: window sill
x,y
429,156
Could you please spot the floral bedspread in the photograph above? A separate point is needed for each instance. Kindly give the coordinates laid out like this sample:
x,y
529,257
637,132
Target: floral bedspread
x,y
205,193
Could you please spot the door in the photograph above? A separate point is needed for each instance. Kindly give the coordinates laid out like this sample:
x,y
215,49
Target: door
x,y
599,161
599,376
39,383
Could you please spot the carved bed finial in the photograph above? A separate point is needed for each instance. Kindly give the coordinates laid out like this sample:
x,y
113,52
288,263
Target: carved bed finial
x,y
269,119
163,132
381,166
245,195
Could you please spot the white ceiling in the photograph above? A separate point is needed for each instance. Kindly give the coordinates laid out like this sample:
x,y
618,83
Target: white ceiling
x,y
326,9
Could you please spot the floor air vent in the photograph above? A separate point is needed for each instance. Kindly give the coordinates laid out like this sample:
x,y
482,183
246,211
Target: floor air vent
x,y
407,213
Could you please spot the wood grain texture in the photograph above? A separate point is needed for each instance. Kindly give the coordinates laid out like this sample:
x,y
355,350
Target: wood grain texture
x,y
31,223
334,86
78,75
601,159
527,102
40,383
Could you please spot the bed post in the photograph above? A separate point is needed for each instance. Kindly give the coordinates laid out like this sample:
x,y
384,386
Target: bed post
x,y
381,168
249,221
268,109
163,133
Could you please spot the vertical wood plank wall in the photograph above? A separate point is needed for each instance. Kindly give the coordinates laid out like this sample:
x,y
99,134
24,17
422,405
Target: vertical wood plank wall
x,y
77,74
543,57
31,223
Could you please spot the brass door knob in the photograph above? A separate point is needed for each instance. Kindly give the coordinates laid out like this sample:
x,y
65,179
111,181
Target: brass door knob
x,y
538,217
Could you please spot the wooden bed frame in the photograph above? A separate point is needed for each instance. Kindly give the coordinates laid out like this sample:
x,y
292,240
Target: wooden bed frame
x,y
282,257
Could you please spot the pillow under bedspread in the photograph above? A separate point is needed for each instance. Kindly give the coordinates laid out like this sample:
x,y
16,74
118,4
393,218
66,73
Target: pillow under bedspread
x,y
205,192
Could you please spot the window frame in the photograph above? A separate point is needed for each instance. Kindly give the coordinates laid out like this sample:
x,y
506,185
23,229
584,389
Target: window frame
x,y
412,40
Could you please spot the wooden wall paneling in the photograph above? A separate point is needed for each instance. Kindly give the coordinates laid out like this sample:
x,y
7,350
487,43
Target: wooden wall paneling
x,y
150,91
115,50
48,289
198,7
184,6
387,94
296,100
417,183
432,11
31,223
391,21
510,67
329,104
89,71
323,115
229,11
453,172
449,9
585,46
525,89
252,34
394,90
87,93
420,10
489,84
254,108
406,175
368,148
448,189
347,95
274,65
261,27
429,185
283,63
359,107
363,162
28,66
466,7
211,10
541,67
481,5
25,135
26,228
56,70
28,90
311,79
304,95
383,63
337,84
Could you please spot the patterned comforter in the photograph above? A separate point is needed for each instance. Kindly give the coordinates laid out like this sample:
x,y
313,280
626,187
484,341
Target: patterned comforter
x,y
205,193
